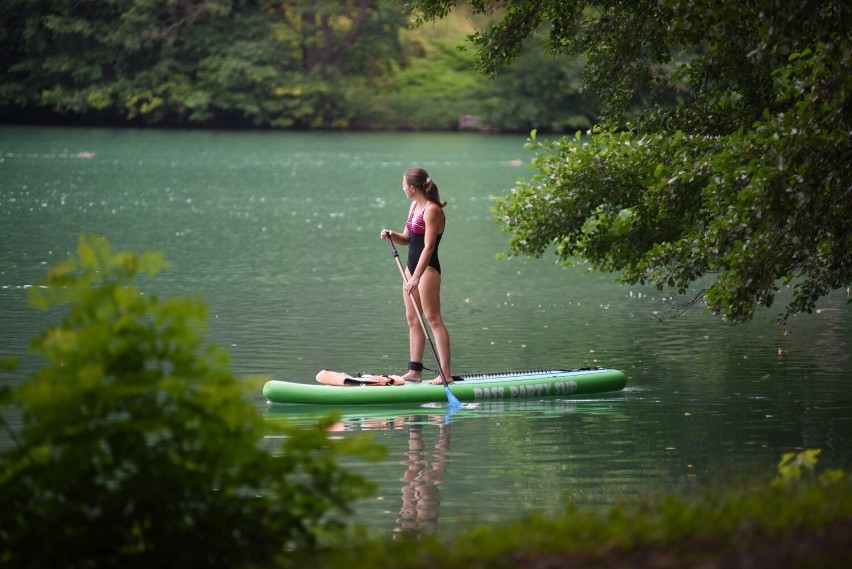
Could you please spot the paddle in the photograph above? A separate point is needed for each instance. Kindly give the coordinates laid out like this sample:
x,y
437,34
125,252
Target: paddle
x,y
451,399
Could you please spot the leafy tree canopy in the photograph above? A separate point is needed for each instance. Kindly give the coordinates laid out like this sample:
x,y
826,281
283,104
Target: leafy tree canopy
x,y
301,64
136,448
724,151
261,62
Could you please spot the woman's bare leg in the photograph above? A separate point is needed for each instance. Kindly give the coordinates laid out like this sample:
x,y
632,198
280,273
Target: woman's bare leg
x,y
430,300
416,338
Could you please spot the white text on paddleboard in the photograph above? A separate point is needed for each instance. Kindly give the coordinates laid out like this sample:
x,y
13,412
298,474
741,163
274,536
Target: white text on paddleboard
x,y
521,391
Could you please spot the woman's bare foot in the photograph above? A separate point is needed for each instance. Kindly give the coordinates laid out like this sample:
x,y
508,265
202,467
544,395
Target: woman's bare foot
x,y
413,376
439,381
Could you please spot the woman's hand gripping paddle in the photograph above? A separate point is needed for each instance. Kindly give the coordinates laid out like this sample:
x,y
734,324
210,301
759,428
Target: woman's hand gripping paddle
x,y
453,402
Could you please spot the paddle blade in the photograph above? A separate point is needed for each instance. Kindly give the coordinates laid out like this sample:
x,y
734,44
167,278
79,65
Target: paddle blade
x,y
450,412
452,400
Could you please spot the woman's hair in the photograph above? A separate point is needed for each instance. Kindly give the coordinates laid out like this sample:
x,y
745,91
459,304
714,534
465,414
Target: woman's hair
x,y
419,178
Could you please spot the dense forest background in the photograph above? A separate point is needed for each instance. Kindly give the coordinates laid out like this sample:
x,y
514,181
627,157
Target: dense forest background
x,y
298,64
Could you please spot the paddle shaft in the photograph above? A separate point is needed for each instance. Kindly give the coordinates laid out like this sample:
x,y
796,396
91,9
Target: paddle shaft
x,y
432,349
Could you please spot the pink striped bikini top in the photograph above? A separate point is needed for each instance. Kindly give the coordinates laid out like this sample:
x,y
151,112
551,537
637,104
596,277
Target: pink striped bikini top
x,y
418,224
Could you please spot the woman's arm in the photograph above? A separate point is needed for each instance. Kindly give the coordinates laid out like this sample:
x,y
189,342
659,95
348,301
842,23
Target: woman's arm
x,y
398,238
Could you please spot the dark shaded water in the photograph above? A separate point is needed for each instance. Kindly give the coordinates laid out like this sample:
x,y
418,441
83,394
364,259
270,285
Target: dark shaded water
x,y
280,232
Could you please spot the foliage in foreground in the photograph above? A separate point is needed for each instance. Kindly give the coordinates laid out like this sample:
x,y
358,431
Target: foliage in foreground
x,y
798,504
136,448
746,181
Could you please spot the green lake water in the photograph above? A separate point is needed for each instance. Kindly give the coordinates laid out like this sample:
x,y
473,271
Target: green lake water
x,y
280,232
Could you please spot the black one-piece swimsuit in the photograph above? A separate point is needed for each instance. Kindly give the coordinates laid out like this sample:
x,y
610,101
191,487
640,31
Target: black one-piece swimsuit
x,y
417,241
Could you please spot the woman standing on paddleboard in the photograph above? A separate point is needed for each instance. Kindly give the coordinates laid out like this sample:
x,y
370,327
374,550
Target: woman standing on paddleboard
x,y
422,234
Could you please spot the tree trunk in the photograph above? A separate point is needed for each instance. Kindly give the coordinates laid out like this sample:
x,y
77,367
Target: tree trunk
x,y
324,47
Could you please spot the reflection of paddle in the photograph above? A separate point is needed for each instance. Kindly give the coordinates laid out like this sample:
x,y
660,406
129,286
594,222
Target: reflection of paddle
x,y
328,377
451,399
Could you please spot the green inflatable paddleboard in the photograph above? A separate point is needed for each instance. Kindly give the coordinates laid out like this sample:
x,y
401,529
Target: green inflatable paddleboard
x,y
536,384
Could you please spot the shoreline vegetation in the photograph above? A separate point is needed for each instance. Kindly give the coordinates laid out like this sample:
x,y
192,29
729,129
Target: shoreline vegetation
x,y
357,71
798,520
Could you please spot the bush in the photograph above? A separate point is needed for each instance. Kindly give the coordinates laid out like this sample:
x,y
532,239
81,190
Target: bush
x,y
136,448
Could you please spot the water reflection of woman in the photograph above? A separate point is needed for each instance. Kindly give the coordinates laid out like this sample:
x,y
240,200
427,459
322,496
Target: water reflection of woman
x,y
426,470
